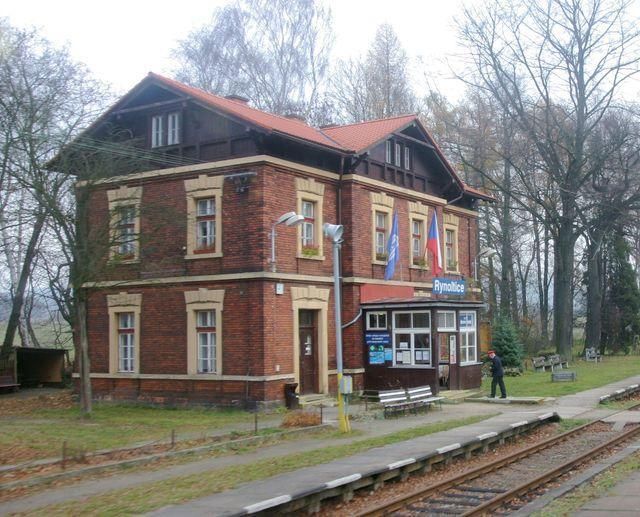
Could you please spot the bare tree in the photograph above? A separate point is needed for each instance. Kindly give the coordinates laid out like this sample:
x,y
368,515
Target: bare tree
x,y
555,67
377,86
275,52
44,98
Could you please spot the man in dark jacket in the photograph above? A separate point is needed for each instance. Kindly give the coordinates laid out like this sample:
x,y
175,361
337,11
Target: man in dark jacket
x,y
497,372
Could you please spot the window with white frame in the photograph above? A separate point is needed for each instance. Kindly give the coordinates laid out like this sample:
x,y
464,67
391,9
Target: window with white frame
x,y
447,321
308,225
173,128
411,338
377,321
407,158
417,242
126,342
206,224
206,332
126,237
157,132
398,155
468,337
381,235
388,151
165,129
450,251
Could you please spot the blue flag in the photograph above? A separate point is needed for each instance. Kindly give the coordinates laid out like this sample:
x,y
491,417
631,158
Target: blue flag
x,y
393,249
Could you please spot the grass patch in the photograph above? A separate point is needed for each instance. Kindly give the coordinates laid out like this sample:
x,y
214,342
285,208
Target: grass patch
x,y
42,432
600,485
144,498
567,424
590,375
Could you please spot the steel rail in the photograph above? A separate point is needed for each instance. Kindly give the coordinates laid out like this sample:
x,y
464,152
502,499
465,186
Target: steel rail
x,y
403,501
525,488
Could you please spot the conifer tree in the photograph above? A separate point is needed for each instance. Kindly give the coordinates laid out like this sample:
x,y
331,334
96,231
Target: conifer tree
x,y
506,343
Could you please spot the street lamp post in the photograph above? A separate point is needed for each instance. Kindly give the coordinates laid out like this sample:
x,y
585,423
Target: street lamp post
x,y
334,232
290,219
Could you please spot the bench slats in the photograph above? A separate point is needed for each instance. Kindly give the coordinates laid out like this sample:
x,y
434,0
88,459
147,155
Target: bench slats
x,y
394,401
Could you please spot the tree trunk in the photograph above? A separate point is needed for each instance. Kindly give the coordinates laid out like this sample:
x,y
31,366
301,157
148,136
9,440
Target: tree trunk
x,y
593,328
562,289
82,349
18,295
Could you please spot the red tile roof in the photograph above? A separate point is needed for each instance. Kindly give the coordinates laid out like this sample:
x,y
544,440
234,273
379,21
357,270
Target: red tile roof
x,y
268,121
478,193
352,138
363,135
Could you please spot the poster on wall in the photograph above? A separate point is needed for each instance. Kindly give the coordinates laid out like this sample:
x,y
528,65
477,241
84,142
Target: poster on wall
x,y
452,350
376,354
377,344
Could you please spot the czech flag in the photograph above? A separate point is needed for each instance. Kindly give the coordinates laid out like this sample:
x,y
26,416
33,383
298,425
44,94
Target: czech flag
x,y
433,245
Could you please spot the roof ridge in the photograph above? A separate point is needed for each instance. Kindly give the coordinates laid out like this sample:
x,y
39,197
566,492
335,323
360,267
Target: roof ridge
x,y
339,126
244,105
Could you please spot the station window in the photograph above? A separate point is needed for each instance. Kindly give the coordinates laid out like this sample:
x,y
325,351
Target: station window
x,y
447,321
165,129
412,338
468,337
126,342
398,155
206,331
377,321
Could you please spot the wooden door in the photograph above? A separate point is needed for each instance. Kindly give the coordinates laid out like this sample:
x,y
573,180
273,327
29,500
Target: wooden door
x,y
308,351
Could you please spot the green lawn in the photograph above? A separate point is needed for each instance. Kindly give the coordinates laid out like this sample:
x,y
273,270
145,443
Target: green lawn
x,y
42,434
144,498
590,375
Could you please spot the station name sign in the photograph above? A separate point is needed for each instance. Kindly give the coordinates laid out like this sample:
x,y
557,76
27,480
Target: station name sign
x,y
448,286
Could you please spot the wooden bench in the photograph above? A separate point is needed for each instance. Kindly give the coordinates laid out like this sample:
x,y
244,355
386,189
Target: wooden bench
x,y
393,401
563,376
591,354
422,397
539,364
557,362
413,399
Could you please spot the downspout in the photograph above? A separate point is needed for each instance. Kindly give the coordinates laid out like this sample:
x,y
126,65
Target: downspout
x,y
353,320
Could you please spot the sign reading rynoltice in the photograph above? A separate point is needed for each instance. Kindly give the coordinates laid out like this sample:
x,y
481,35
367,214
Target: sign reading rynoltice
x,y
448,286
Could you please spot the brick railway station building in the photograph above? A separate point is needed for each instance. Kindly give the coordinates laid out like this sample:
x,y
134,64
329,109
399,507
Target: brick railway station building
x,y
196,309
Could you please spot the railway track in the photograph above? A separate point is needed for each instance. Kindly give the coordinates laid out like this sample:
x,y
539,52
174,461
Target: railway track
x,y
488,488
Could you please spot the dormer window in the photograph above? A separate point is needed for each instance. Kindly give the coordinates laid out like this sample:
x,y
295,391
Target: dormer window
x,y
173,128
407,158
165,129
398,155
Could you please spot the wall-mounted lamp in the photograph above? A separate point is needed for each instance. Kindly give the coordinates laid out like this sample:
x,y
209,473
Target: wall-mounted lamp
x,y
483,253
241,180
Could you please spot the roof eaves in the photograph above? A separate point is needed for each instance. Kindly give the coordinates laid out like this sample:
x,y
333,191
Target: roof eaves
x,y
341,150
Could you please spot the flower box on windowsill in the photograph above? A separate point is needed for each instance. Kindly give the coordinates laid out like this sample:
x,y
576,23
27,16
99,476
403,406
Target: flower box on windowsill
x,y
419,262
310,251
381,257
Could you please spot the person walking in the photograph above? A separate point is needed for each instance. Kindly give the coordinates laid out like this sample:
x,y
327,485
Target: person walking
x,y
497,374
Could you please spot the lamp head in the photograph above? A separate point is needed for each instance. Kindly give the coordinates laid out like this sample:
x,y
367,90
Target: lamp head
x,y
285,217
295,220
333,231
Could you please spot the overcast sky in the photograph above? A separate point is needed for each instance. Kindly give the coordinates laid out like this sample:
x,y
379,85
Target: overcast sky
x,y
121,40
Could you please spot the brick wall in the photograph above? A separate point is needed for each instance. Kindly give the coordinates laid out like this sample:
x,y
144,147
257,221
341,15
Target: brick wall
x,y
257,324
